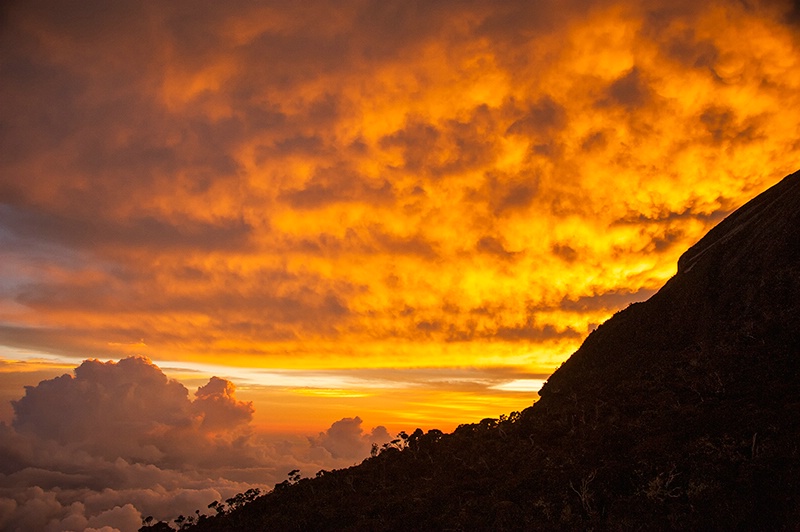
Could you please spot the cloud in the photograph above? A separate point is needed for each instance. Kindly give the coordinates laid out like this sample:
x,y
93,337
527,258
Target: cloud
x,y
535,333
217,404
82,230
630,90
117,518
607,301
119,440
346,439
542,117
337,185
104,406
506,194
249,141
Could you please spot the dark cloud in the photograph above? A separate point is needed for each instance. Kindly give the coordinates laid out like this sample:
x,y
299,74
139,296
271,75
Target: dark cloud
x,y
493,246
718,122
79,230
516,196
339,185
541,118
594,141
71,341
390,30
310,46
469,144
299,145
516,23
666,216
606,301
94,121
503,193
482,323
44,127
666,239
266,295
565,252
415,141
691,51
530,332
629,90
417,245
793,14
429,326
723,126
447,148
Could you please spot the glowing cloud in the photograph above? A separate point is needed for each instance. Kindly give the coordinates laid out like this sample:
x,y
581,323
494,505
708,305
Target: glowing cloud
x,y
371,184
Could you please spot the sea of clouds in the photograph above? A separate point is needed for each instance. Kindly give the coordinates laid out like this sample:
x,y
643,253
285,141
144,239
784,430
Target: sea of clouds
x,y
120,441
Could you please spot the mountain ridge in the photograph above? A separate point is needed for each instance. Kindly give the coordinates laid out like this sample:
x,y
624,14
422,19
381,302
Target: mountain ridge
x,y
731,279
680,412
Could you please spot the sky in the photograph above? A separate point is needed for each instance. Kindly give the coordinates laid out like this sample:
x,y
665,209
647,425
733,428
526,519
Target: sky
x,y
307,226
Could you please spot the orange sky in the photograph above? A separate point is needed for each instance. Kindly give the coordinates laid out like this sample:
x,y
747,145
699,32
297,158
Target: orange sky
x,y
408,211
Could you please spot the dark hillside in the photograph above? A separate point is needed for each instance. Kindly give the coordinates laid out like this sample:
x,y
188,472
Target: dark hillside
x,y
682,412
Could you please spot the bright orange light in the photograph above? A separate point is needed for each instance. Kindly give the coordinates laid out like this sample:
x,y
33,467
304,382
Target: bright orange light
x,y
303,195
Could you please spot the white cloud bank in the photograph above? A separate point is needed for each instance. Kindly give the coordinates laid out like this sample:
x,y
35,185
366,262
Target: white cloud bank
x,y
119,441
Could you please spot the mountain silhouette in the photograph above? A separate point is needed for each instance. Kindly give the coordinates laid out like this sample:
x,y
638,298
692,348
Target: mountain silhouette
x,y
678,413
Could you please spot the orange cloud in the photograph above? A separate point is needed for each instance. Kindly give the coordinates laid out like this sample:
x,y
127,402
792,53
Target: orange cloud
x,y
368,185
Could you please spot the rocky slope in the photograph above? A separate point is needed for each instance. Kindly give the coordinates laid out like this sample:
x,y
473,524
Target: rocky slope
x,y
682,412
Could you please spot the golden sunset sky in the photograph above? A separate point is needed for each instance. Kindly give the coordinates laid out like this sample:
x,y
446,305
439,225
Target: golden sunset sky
x,y
410,212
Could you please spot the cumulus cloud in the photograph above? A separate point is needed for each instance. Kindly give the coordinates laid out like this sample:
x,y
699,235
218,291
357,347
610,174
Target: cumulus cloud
x,y
346,438
216,404
117,441
102,400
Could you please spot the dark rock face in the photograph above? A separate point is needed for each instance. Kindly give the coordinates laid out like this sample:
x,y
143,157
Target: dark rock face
x,y
705,375
738,286
682,412
737,289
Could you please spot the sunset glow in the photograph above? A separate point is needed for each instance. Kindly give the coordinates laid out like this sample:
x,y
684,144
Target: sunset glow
x,y
301,195
407,212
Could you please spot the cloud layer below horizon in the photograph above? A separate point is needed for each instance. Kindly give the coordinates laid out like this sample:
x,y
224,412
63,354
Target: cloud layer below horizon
x,y
119,441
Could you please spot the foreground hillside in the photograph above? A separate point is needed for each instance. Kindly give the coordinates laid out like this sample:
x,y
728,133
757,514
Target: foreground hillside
x,y
682,412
